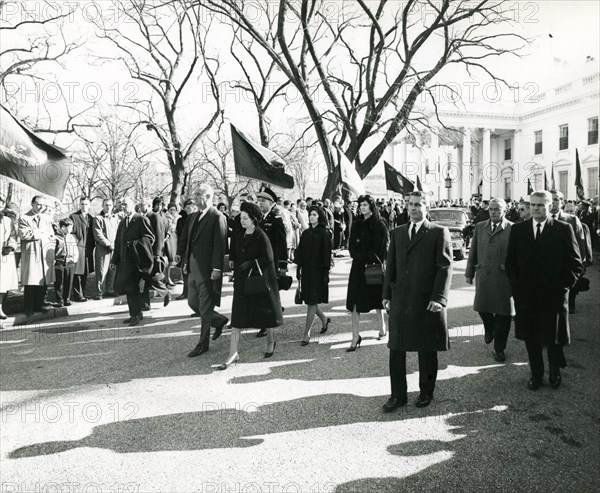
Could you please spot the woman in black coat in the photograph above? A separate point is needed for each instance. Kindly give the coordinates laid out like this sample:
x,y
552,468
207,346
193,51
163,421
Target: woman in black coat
x,y
313,258
369,241
253,255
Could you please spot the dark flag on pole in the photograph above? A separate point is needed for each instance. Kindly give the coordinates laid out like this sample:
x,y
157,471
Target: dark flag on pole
x,y
28,159
552,182
529,187
253,160
578,181
546,184
396,181
480,186
419,184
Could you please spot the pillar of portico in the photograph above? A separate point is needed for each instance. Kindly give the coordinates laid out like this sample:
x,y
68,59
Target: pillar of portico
x,y
485,168
465,168
519,186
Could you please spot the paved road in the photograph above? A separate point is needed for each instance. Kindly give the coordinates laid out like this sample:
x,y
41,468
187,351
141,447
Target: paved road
x,y
91,405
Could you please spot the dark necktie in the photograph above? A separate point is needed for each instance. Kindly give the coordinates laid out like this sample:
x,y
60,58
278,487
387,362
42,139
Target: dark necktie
x,y
538,231
37,221
494,226
413,231
126,222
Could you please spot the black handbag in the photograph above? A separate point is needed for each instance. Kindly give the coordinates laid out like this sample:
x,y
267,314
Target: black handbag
x,y
284,282
374,273
255,284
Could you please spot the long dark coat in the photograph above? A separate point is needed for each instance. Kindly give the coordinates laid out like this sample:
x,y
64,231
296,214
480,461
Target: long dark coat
x,y
83,230
541,272
418,272
486,265
133,253
261,311
313,258
207,241
369,240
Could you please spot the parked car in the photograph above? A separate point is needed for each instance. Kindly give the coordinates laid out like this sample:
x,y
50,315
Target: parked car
x,y
455,220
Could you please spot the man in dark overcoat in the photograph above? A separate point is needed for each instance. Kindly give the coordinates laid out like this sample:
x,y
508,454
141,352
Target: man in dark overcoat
x,y
542,264
159,224
273,226
415,293
132,258
202,252
83,230
493,297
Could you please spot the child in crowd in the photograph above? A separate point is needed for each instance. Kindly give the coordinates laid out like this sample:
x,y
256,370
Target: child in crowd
x,y
65,257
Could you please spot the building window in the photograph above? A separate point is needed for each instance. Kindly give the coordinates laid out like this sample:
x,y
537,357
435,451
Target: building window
x,y
592,182
538,142
563,183
563,140
507,188
507,149
592,131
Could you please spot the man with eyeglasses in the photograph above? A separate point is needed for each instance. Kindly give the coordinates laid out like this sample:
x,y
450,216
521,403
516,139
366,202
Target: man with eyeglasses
x,y
493,298
524,211
542,264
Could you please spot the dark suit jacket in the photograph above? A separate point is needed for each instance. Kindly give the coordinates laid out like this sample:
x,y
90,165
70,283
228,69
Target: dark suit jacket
x,y
207,242
83,230
273,226
159,225
540,273
133,252
416,273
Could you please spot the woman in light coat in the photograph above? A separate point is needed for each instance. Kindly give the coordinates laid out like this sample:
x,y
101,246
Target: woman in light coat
x,y
8,266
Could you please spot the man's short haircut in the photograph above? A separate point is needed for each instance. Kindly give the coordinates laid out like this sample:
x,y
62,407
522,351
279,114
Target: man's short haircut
x,y
206,189
104,201
422,195
542,194
558,193
189,202
127,200
156,201
501,202
172,204
35,199
65,222
287,202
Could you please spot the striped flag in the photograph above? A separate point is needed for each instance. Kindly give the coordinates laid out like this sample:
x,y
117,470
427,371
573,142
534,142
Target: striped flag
x,y
578,180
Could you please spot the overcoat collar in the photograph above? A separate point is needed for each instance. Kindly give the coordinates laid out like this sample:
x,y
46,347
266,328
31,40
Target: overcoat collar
x,y
423,230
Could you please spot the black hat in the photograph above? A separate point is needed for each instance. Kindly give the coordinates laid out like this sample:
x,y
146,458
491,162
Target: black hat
x,y
267,193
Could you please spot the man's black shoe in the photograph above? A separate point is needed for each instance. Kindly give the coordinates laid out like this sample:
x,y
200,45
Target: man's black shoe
x,y
136,320
261,333
392,404
500,356
534,384
167,299
488,337
219,329
555,381
128,320
195,315
197,351
182,297
424,400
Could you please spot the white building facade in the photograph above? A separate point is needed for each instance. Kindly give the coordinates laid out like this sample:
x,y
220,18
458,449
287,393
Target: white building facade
x,y
501,146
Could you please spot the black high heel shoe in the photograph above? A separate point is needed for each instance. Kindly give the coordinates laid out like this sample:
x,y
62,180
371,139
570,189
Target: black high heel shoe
x,y
304,343
325,327
232,361
351,349
269,354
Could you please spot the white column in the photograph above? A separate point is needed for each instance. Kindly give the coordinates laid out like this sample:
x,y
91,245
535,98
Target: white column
x,y
403,157
485,170
465,166
519,186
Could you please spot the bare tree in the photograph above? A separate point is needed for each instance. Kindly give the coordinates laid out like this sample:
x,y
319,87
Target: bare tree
x,y
372,60
163,45
213,164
